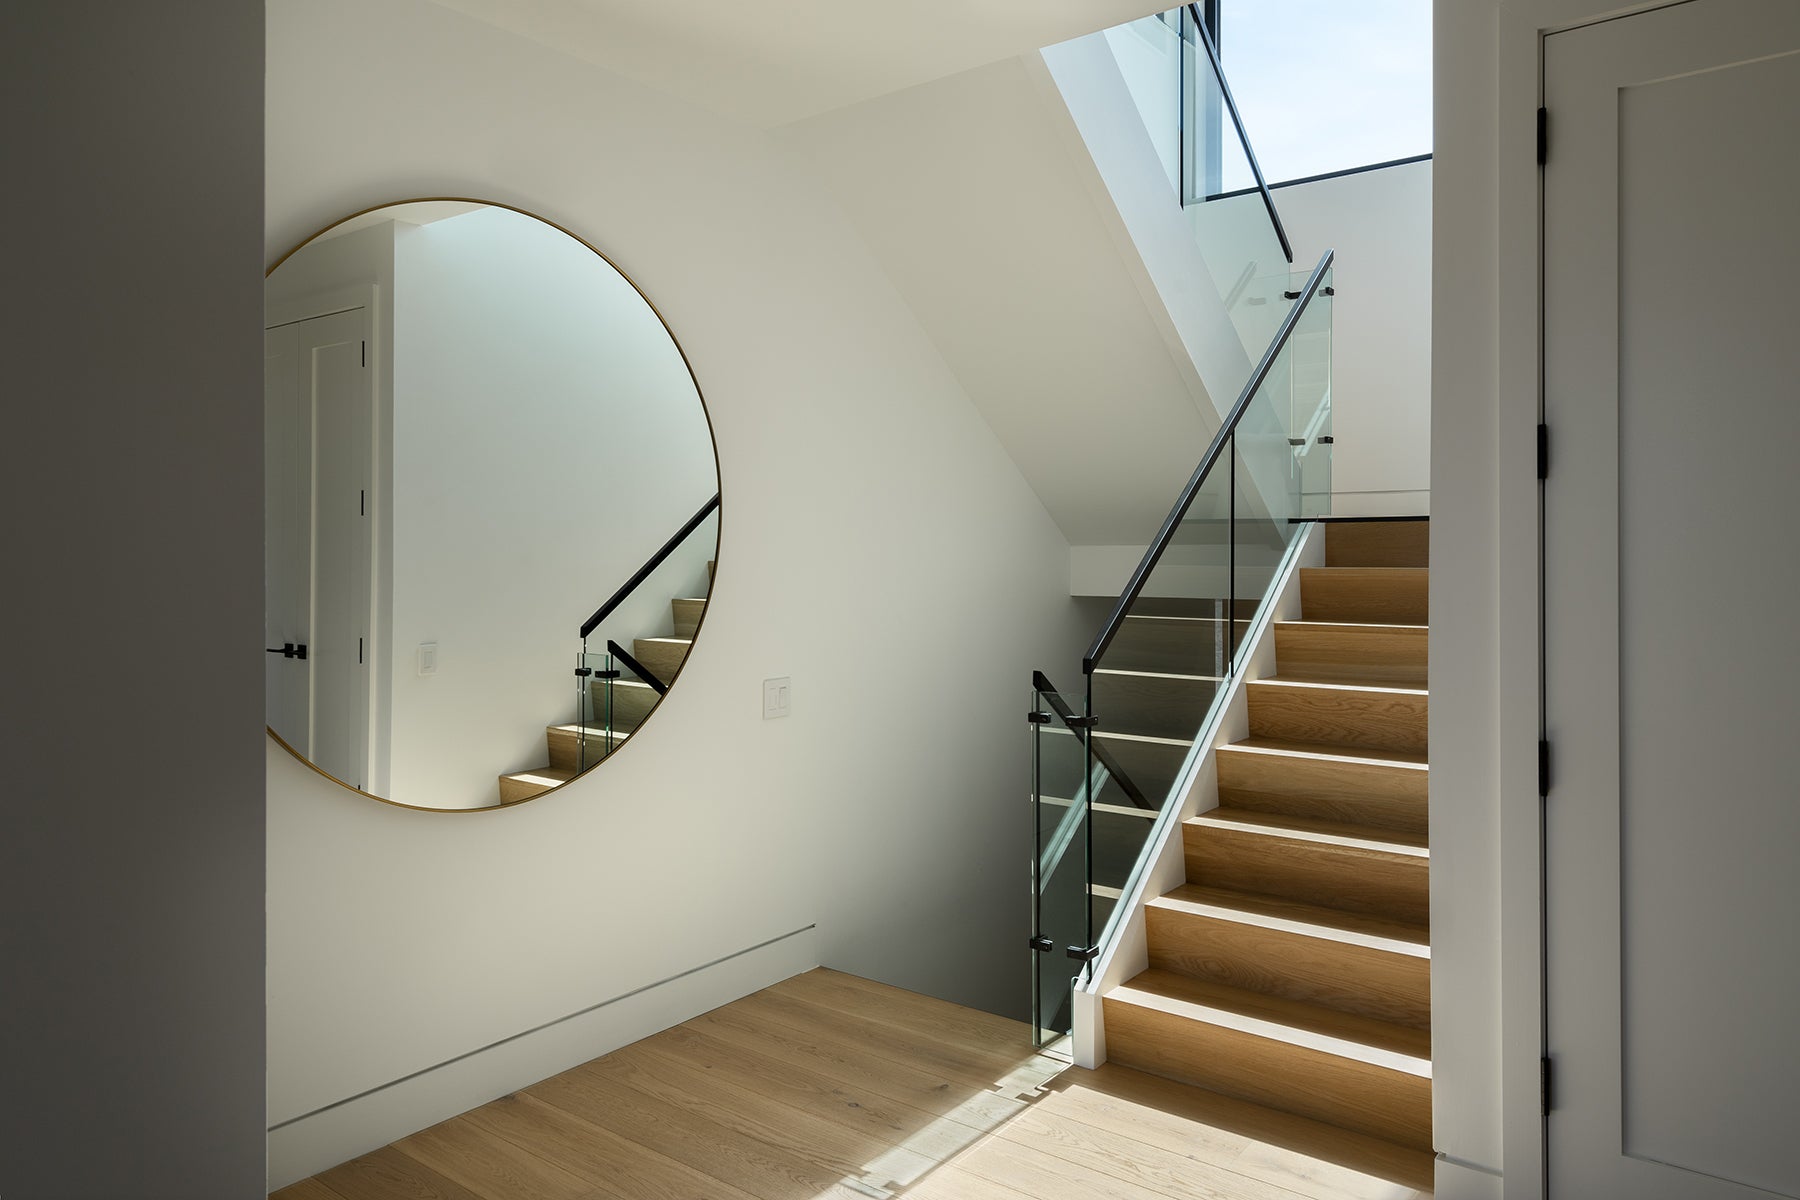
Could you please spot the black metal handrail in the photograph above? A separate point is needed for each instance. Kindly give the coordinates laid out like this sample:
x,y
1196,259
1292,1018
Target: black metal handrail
x,y
1262,185
637,668
1080,726
643,572
1154,554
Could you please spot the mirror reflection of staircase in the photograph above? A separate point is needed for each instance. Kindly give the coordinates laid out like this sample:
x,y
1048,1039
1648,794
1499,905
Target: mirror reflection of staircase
x,y
580,746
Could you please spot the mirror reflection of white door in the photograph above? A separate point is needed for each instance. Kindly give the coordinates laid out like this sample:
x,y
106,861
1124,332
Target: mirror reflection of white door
x,y
1672,825
318,435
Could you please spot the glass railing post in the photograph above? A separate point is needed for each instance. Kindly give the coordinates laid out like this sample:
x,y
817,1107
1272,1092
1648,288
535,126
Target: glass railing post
x,y
1231,558
583,705
1035,718
1087,907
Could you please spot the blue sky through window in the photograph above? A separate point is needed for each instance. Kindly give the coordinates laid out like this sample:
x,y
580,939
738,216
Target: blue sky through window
x,y
1326,85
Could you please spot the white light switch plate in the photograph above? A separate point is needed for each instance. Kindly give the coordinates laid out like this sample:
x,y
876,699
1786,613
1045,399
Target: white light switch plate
x,y
777,697
427,658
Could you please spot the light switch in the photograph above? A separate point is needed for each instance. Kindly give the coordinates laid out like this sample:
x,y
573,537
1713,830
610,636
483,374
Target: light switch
x,y
777,697
427,658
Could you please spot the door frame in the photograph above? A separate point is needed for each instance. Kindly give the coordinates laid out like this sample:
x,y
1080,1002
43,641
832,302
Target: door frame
x,y
1661,42
1521,27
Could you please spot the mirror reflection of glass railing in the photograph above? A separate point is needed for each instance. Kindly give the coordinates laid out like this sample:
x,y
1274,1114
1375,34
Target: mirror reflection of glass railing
x,y
477,429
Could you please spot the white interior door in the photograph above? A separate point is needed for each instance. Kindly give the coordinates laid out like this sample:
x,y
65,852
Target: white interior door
x,y
318,442
287,539
1672,347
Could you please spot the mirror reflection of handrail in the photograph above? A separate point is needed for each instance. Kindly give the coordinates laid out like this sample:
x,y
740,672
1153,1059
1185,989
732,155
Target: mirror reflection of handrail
x,y
1154,554
643,572
637,668
1262,185
1081,727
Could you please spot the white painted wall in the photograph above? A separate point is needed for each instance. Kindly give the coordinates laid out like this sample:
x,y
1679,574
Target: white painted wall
x,y
547,440
1469,1082
981,202
1379,222
131,870
874,532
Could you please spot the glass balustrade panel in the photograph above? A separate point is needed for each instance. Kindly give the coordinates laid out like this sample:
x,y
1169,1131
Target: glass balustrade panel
x,y
1064,779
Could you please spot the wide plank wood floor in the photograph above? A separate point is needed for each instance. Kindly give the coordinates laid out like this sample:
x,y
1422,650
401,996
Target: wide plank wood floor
x,y
827,1085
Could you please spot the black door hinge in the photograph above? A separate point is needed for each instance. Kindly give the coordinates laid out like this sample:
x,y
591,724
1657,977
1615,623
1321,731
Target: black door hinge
x,y
1041,943
359,650
1544,1085
1543,136
1543,451
365,345
1543,768
1084,953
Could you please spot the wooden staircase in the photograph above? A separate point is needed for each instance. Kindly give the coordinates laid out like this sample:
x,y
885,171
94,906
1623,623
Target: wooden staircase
x,y
573,745
1294,968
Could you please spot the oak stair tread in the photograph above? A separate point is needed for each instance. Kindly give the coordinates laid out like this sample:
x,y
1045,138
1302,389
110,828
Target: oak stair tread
x,y
1366,595
1292,916
687,611
550,776
1362,1039
1353,652
1312,829
519,786
1326,751
1332,685
1381,626
1398,542
1373,716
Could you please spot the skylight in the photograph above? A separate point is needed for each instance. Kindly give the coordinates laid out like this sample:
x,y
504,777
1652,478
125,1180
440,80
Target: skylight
x,y
1327,86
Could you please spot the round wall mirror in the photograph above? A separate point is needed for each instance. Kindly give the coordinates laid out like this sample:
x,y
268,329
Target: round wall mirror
x,y
492,505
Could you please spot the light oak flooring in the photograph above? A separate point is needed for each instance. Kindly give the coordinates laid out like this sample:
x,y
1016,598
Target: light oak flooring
x,y
830,1085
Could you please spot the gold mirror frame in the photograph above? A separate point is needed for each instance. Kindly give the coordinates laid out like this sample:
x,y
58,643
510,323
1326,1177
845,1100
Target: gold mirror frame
x,y
712,434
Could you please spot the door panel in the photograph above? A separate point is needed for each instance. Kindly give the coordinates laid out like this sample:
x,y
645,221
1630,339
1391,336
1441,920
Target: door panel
x,y
287,539
1672,266
319,426
339,654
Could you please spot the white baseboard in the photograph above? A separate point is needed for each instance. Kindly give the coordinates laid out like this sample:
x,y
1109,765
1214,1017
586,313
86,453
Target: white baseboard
x,y
335,1134
1455,1180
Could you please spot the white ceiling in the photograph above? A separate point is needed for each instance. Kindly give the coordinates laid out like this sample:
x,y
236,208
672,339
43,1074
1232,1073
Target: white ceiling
x,y
772,62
